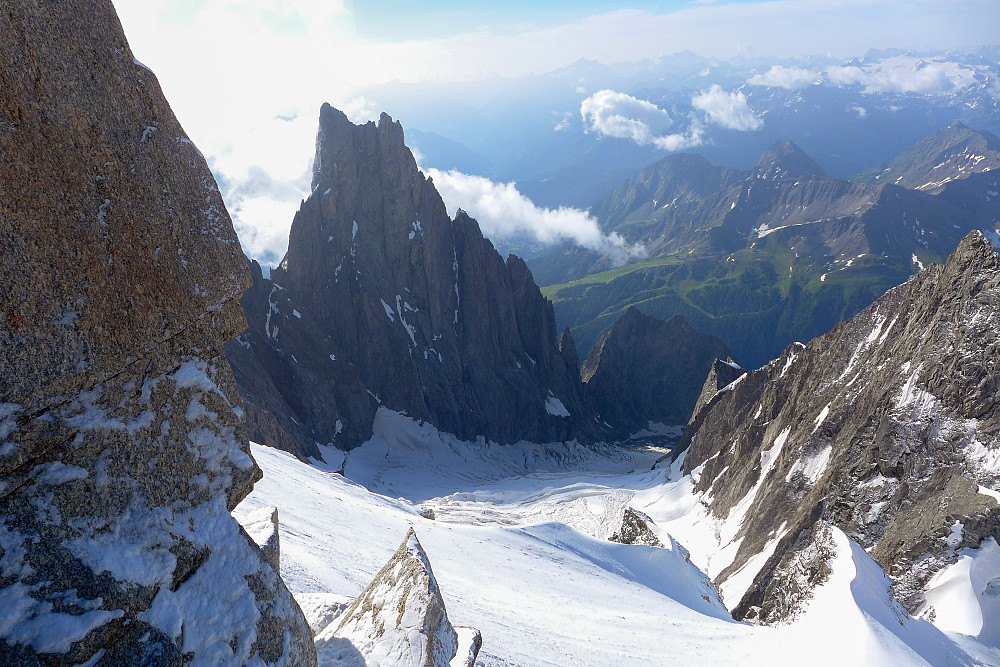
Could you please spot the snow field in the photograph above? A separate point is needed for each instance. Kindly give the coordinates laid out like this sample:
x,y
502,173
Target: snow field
x,y
518,552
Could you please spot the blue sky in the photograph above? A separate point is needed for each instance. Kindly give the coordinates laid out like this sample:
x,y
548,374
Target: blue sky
x,y
245,77
386,20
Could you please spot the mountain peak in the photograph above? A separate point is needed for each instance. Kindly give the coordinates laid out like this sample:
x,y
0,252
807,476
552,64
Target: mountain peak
x,y
338,140
975,253
950,154
786,158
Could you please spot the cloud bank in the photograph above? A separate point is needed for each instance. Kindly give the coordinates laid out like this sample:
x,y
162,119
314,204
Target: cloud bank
x,y
904,74
623,116
899,74
730,110
503,212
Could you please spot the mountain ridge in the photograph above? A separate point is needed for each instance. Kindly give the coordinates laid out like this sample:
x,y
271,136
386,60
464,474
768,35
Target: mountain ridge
x,y
757,249
882,427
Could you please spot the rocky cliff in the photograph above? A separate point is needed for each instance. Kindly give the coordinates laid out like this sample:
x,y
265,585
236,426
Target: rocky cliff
x,y
121,453
382,299
887,427
646,369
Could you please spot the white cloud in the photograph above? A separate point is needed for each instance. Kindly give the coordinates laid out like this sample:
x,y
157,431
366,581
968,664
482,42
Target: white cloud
x,y
623,116
502,212
246,77
789,78
694,136
858,109
904,74
730,110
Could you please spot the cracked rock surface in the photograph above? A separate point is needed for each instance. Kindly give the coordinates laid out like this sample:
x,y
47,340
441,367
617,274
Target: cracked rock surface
x,y
121,452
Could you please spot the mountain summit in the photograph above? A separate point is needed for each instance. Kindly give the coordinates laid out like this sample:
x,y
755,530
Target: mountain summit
x,y
417,312
953,153
786,160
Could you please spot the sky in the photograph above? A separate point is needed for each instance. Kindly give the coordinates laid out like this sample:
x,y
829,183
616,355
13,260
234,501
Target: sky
x,y
246,77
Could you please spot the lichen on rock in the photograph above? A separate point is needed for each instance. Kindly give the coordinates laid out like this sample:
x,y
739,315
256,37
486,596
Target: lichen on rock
x,y
121,452
399,619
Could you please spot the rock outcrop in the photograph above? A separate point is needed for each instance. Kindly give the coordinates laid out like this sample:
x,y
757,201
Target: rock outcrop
x,y
121,453
399,619
382,299
635,530
887,428
722,374
263,529
646,369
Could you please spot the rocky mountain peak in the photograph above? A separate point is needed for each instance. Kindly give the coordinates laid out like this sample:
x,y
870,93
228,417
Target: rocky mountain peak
x,y
382,297
885,427
952,153
787,160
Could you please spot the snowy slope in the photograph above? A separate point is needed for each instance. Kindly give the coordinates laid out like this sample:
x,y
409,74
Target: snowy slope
x,y
517,554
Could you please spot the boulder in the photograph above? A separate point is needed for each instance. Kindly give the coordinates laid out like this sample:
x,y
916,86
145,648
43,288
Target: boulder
x,y
121,451
399,619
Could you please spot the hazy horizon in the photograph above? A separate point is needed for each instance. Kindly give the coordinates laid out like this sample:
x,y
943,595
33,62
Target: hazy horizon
x,y
247,79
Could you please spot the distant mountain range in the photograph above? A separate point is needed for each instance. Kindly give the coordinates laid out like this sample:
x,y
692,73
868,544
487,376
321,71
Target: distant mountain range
x,y
847,114
779,252
384,300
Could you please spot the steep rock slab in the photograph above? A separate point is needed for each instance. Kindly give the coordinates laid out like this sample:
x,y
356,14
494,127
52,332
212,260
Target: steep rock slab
x,y
399,619
646,369
722,375
886,428
384,300
299,387
121,453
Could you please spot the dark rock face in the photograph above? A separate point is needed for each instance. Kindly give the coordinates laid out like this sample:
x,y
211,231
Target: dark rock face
x,y
646,369
384,300
121,454
886,428
299,389
723,374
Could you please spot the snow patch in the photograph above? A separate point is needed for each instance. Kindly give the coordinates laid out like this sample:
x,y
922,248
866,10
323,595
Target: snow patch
x,y
555,407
